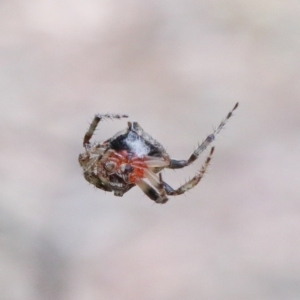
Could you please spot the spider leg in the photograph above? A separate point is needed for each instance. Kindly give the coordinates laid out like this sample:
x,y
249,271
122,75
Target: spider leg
x,y
157,162
177,164
98,117
192,182
157,182
158,197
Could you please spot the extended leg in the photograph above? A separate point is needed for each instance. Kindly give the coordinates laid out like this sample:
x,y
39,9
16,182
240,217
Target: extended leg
x,y
177,164
96,120
191,183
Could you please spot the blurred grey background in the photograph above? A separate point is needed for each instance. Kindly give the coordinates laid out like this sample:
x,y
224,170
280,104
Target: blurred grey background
x,y
177,67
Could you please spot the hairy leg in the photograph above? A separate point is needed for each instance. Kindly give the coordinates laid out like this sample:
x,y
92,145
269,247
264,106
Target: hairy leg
x,y
98,117
177,164
192,182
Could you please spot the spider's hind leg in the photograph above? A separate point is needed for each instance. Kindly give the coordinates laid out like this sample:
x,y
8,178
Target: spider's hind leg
x,y
192,182
98,117
177,164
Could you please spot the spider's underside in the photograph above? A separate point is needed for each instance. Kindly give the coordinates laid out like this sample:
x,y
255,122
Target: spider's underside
x,y
132,156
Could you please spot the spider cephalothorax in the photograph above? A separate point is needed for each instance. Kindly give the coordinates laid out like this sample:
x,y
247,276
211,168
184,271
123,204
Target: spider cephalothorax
x,y
132,157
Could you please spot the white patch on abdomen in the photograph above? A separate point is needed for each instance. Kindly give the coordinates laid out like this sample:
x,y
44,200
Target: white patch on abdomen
x,y
136,145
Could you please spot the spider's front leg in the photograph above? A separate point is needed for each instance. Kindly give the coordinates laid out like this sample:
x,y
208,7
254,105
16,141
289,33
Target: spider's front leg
x,y
192,182
93,125
177,164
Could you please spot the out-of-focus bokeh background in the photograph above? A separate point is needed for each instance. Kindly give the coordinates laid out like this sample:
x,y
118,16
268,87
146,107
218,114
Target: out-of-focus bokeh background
x,y
176,67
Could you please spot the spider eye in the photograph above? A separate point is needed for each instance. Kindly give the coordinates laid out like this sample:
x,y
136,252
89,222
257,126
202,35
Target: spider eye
x,y
110,165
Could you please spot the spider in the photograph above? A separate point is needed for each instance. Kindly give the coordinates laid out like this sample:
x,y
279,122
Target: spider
x,y
132,156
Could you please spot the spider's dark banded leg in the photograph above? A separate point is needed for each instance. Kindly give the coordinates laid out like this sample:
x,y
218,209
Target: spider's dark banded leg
x,y
191,183
177,164
96,120
161,189
152,193
158,183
